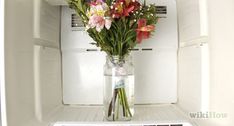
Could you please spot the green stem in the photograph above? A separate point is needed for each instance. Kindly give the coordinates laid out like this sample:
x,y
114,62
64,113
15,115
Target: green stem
x,y
118,104
125,105
120,96
123,102
126,102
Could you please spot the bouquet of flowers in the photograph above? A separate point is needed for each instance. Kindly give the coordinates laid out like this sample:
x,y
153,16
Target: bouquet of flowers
x,y
116,26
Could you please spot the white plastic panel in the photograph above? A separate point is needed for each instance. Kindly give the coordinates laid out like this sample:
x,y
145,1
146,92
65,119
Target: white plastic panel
x,y
82,77
189,17
46,23
192,16
156,78
47,80
18,49
194,78
190,78
193,60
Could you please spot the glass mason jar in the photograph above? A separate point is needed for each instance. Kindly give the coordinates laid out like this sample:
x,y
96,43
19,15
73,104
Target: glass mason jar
x,y
118,88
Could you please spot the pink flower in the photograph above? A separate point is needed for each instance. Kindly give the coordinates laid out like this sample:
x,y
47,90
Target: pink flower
x,y
95,3
99,22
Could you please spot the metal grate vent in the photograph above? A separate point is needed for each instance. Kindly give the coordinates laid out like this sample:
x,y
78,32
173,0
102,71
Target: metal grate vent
x,y
161,10
76,21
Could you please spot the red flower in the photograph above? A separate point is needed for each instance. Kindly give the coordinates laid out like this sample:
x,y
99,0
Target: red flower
x,y
143,30
124,8
117,9
134,4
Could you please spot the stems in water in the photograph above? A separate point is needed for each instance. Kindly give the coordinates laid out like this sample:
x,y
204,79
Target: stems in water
x,y
119,99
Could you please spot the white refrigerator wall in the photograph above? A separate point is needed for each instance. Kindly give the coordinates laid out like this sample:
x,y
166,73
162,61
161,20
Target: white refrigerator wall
x,y
47,58
19,61
219,70
221,37
155,70
193,82
33,75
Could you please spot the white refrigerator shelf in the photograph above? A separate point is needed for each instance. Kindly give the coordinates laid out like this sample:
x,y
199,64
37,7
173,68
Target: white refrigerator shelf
x,y
145,115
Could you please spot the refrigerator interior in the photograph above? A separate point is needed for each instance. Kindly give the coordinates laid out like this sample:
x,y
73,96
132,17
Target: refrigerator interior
x,y
155,61
35,94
